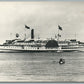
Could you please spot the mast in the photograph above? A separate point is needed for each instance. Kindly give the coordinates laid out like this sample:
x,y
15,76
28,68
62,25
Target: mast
x,y
25,37
58,36
59,28
26,27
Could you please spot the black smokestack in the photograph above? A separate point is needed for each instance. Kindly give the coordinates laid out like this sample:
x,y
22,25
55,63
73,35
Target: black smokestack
x,y
32,34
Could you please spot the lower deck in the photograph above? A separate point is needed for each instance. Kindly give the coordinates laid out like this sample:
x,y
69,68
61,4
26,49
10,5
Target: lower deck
x,y
20,48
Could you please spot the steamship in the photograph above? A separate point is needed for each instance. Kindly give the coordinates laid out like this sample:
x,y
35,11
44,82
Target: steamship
x,y
48,45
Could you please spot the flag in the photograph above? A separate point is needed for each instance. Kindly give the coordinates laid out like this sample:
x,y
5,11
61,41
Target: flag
x,y
60,28
17,35
27,27
59,35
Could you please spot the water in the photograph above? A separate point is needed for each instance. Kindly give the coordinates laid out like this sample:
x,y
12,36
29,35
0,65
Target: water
x,y
42,67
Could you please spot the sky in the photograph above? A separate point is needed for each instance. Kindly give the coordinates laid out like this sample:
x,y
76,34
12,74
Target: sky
x,y
44,17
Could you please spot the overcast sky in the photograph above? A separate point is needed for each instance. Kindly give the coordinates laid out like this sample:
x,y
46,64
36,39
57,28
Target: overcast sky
x,y
44,17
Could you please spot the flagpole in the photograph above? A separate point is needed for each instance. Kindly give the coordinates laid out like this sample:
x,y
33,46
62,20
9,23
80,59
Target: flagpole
x,y
27,27
58,36
10,36
25,37
59,28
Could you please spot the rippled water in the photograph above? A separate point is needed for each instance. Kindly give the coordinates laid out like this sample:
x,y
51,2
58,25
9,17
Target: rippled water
x,y
42,67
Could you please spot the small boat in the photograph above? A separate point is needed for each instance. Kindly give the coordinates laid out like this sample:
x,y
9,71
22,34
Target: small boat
x,y
62,61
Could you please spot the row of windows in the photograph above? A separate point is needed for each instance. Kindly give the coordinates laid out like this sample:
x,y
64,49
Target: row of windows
x,y
10,47
19,47
28,44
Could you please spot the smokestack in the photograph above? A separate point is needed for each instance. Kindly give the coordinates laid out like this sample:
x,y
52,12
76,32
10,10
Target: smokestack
x,y
32,34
